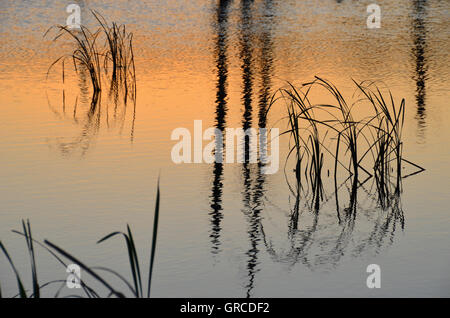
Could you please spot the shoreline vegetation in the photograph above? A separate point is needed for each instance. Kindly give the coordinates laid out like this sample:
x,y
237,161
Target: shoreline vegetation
x,y
136,286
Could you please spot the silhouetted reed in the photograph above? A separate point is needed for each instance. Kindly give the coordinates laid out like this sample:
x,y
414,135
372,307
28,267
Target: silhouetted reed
x,y
119,53
106,54
389,125
36,289
88,53
372,144
136,287
307,142
379,134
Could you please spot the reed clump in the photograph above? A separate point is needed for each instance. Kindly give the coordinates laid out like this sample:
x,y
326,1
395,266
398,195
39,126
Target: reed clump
x,y
372,144
119,52
135,287
96,58
308,145
388,120
86,54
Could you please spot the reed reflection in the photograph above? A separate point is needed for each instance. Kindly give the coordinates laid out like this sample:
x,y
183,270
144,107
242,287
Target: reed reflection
x,y
318,241
89,112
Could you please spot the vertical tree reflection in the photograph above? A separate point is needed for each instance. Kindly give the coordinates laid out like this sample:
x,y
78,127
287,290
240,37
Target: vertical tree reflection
x,y
221,46
253,177
419,52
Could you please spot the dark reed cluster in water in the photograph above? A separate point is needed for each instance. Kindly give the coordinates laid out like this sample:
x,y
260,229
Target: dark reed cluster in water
x,y
103,55
351,148
114,58
371,145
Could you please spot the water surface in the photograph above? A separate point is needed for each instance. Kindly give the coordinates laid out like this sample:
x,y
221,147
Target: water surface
x,y
225,230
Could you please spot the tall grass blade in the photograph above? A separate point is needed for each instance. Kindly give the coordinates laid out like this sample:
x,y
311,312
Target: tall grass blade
x,y
29,240
155,232
22,291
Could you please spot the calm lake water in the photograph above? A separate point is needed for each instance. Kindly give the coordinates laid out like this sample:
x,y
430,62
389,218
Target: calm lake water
x,y
225,230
